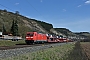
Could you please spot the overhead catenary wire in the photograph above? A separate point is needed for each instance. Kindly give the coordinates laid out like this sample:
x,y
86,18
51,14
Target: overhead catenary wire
x,y
7,7
33,7
20,8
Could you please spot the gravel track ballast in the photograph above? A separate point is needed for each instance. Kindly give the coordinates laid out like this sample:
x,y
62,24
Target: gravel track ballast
x,y
18,51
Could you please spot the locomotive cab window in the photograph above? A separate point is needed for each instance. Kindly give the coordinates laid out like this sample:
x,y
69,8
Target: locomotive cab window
x,y
29,34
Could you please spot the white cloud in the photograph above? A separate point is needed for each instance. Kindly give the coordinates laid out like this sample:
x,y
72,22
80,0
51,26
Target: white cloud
x,y
17,3
79,5
28,16
64,10
87,2
41,1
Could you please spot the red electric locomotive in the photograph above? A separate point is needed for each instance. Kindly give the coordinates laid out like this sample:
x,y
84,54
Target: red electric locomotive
x,y
34,37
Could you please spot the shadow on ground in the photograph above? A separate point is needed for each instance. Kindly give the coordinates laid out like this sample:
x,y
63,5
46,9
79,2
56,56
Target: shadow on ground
x,y
21,44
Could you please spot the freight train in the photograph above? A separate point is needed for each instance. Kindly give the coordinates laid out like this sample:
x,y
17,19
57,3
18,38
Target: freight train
x,y
34,37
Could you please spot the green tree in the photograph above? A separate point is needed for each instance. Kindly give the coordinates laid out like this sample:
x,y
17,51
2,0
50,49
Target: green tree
x,y
3,29
17,12
14,28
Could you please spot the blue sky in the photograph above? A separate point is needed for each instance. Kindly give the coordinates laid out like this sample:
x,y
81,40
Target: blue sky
x,y
70,14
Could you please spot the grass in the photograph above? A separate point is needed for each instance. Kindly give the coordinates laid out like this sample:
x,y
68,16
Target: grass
x,y
64,52
53,53
11,43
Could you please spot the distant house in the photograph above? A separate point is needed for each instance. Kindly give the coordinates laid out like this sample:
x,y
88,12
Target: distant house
x,y
9,37
1,35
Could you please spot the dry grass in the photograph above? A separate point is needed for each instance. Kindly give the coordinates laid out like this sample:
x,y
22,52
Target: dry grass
x,y
77,53
86,48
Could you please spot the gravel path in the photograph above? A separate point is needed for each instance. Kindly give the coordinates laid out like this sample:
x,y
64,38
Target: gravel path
x,y
18,51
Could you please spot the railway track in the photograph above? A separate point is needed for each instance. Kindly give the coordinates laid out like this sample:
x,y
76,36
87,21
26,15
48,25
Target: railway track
x,y
22,46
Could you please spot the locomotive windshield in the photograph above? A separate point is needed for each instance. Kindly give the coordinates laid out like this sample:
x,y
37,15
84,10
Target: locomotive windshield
x,y
30,34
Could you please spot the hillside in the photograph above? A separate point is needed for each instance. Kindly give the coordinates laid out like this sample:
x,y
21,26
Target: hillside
x,y
27,25
64,31
24,24
84,34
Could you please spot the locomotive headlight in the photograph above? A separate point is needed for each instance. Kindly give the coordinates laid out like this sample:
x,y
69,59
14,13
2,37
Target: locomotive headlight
x,y
31,37
26,37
